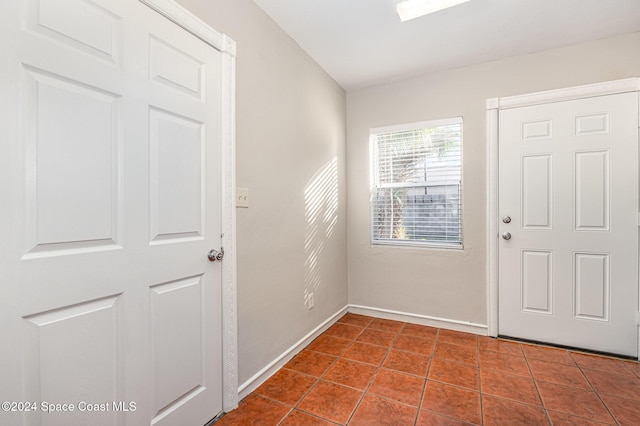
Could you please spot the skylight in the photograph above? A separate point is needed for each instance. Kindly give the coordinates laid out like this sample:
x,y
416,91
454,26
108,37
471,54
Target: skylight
x,y
411,9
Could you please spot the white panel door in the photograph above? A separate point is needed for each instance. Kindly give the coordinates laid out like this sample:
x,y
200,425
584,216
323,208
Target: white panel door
x,y
568,181
110,184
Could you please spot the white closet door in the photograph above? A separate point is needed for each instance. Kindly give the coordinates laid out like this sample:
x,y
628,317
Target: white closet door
x,y
110,182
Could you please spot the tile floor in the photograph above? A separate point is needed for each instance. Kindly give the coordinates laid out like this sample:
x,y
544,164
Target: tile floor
x,y
368,371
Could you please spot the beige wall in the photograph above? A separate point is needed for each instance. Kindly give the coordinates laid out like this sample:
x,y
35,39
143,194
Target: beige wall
x,y
451,284
290,119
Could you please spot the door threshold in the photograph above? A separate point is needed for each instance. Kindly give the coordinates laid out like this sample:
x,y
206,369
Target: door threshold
x,y
571,348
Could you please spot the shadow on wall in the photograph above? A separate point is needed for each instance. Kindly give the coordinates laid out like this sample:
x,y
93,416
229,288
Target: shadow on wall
x,y
320,207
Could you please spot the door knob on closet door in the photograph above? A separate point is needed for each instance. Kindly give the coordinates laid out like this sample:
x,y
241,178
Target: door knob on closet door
x,y
214,254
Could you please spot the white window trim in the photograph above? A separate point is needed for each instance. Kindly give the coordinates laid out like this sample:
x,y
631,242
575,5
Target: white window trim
x,y
372,183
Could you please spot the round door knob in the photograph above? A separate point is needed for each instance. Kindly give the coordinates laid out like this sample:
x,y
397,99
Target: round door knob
x,y
506,235
214,255
506,219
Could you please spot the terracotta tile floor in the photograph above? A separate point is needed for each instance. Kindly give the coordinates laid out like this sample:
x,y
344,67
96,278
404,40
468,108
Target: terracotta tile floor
x,y
368,371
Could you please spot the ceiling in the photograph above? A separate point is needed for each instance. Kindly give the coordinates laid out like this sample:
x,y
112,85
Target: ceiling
x,y
362,43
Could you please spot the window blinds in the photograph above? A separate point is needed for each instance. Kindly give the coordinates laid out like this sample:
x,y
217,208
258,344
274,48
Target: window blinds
x,y
417,184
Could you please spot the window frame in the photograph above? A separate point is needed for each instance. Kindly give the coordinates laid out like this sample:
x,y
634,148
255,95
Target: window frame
x,y
373,178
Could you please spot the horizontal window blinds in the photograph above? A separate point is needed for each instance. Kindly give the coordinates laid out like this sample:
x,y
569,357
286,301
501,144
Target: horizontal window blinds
x,y
417,184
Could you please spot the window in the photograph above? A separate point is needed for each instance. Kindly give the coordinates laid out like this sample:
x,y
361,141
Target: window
x,y
416,194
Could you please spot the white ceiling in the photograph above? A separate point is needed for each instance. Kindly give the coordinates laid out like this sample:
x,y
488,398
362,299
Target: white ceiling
x,y
363,43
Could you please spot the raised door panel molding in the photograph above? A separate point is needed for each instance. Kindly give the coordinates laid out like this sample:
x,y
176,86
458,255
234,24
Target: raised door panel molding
x,y
71,140
177,146
72,356
177,343
98,33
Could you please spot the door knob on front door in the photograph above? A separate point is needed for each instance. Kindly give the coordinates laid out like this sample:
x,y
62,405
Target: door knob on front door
x,y
506,219
214,254
506,235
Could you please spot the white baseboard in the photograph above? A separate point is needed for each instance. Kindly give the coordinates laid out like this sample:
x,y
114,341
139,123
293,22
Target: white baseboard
x,y
261,376
449,324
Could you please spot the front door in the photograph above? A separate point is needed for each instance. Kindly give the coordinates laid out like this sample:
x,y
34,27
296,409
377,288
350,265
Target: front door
x,y
110,185
568,209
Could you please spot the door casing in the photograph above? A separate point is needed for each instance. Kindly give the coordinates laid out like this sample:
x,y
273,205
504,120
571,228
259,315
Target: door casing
x,y
494,105
221,42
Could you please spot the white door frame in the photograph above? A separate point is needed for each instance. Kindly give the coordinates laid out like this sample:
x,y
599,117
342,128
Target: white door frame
x,y
494,105
185,19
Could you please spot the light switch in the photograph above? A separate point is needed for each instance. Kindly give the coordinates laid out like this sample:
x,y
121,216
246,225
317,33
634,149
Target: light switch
x,y
242,197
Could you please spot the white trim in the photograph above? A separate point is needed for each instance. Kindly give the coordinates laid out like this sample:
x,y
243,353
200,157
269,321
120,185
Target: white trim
x,y
492,222
638,323
182,17
185,19
493,103
493,106
229,264
261,376
570,93
449,324
413,126
416,244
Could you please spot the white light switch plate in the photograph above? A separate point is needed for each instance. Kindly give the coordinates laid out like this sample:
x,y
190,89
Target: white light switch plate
x,y
242,197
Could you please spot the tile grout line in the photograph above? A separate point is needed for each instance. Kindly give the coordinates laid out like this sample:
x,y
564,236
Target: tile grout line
x,y
595,391
455,361
338,357
391,347
535,383
366,390
580,369
380,367
370,381
319,378
531,376
480,381
426,378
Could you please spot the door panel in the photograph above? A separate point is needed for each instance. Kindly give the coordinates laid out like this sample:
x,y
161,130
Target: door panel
x,y
51,350
69,203
178,346
98,33
112,138
537,282
537,192
591,288
170,66
592,191
568,178
176,162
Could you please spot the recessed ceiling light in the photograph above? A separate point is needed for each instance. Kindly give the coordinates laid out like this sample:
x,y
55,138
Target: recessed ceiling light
x,y
410,9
